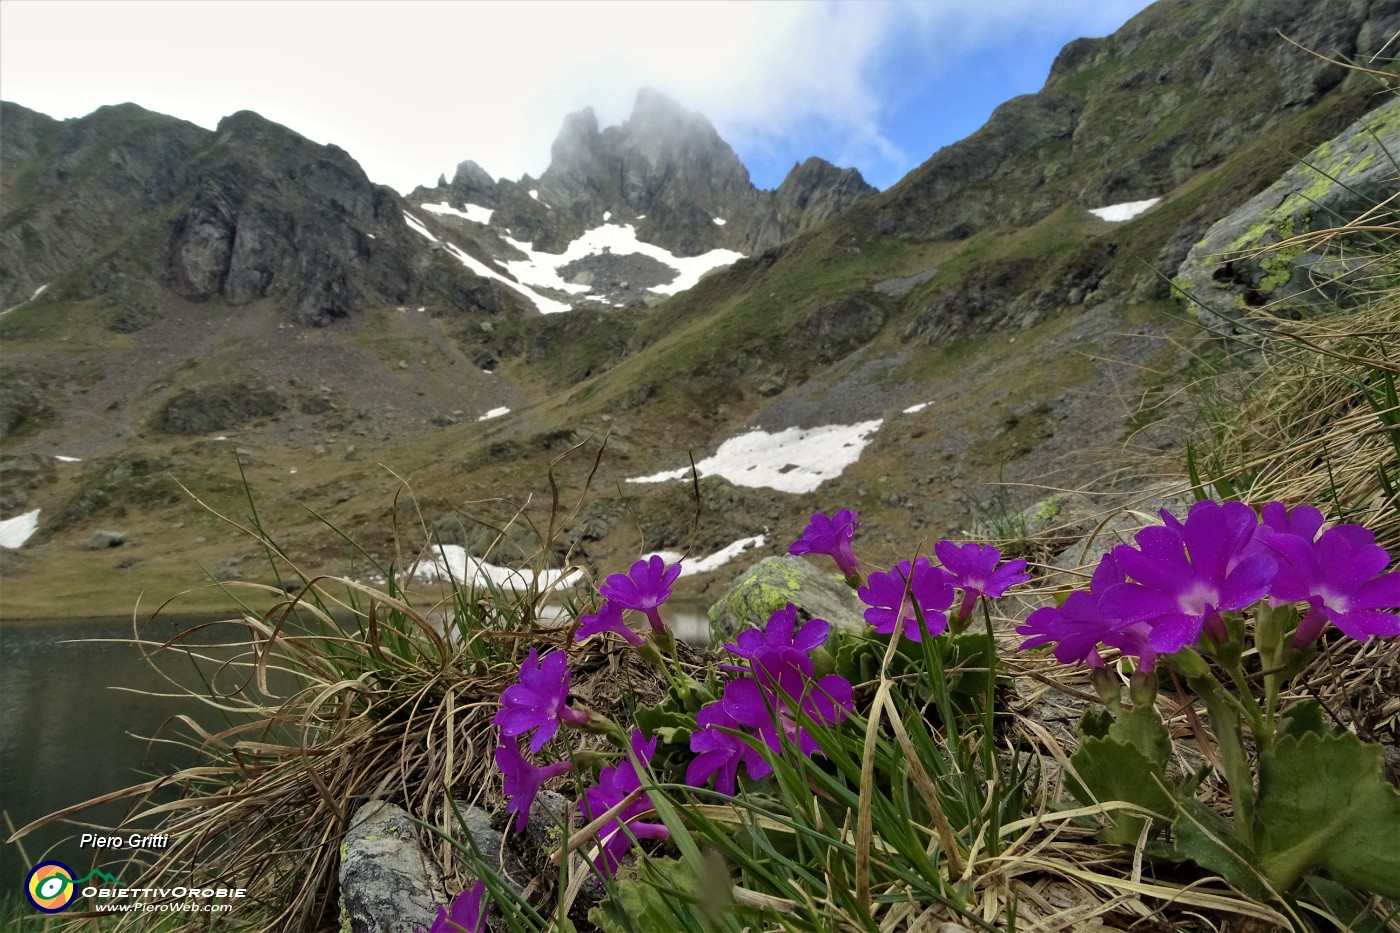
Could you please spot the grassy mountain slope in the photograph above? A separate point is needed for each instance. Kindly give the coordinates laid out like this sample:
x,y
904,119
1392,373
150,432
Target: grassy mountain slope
x,y
979,284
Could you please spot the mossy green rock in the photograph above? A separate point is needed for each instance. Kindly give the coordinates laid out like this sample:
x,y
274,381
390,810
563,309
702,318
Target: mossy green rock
x,y
774,582
1232,270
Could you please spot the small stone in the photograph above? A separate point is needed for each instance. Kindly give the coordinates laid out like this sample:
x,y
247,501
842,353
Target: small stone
x,y
101,540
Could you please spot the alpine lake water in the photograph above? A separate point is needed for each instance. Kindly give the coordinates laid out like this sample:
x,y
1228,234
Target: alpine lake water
x,y
78,702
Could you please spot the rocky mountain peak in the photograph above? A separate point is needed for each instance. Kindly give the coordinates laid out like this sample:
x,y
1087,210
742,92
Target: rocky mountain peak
x,y
665,170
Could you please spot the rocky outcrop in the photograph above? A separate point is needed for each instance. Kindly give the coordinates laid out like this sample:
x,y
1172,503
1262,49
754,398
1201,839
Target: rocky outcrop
x,y
1236,267
128,205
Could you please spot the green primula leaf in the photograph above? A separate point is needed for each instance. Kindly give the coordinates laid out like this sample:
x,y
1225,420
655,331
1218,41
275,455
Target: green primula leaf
x,y
1142,728
1113,769
1304,718
663,894
1202,836
1095,723
1324,803
1347,911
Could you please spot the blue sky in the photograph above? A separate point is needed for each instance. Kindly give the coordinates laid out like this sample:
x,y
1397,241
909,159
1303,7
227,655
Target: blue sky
x,y
411,88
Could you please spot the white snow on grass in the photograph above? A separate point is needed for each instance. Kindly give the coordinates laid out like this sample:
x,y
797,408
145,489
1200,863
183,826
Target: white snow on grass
x,y
915,409
792,460
716,560
720,221
473,212
494,413
607,216
451,561
15,531
62,459
1117,213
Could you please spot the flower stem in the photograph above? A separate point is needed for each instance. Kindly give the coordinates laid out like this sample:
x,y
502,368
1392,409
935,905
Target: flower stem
x,y
1225,714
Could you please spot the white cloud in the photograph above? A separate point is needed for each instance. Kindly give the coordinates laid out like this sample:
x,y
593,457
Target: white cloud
x,y
412,88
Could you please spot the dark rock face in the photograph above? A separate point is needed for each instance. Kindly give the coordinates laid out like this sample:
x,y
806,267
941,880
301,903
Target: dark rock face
x,y
666,171
250,211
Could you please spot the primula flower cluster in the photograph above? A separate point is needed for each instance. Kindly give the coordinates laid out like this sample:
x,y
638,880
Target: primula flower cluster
x,y
909,592
778,686
645,586
1175,584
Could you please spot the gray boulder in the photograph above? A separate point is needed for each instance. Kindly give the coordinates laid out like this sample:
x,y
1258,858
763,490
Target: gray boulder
x,y
386,883
774,582
101,540
1231,271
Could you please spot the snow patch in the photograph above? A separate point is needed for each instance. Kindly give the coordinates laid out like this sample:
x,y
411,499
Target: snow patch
x,y
720,221
536,196
792,460
914,409
716,560
1117,213
473,212
494,413
416,226
62,459
545,305
453,562
15,531
542,269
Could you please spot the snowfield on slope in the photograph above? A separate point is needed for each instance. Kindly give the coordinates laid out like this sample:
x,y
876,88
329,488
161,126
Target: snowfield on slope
x,y
541,270
1117,213
693,565
15,531
792,460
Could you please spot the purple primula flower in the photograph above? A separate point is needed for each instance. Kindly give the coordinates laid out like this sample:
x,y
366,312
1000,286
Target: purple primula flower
x,y
720,753
974,570
755,705
608,618
782,632
1340,577
894,597
644,587
614,785
1301,521
1190,573
1078,627
831,536
466,912
523,779
538,700
781,645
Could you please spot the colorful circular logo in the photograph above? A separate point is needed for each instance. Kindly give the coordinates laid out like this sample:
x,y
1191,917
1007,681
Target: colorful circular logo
x,y
50,887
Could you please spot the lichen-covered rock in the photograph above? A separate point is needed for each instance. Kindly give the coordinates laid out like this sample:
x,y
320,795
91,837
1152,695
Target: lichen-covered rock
x,y
386,883
774,582
1230,271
